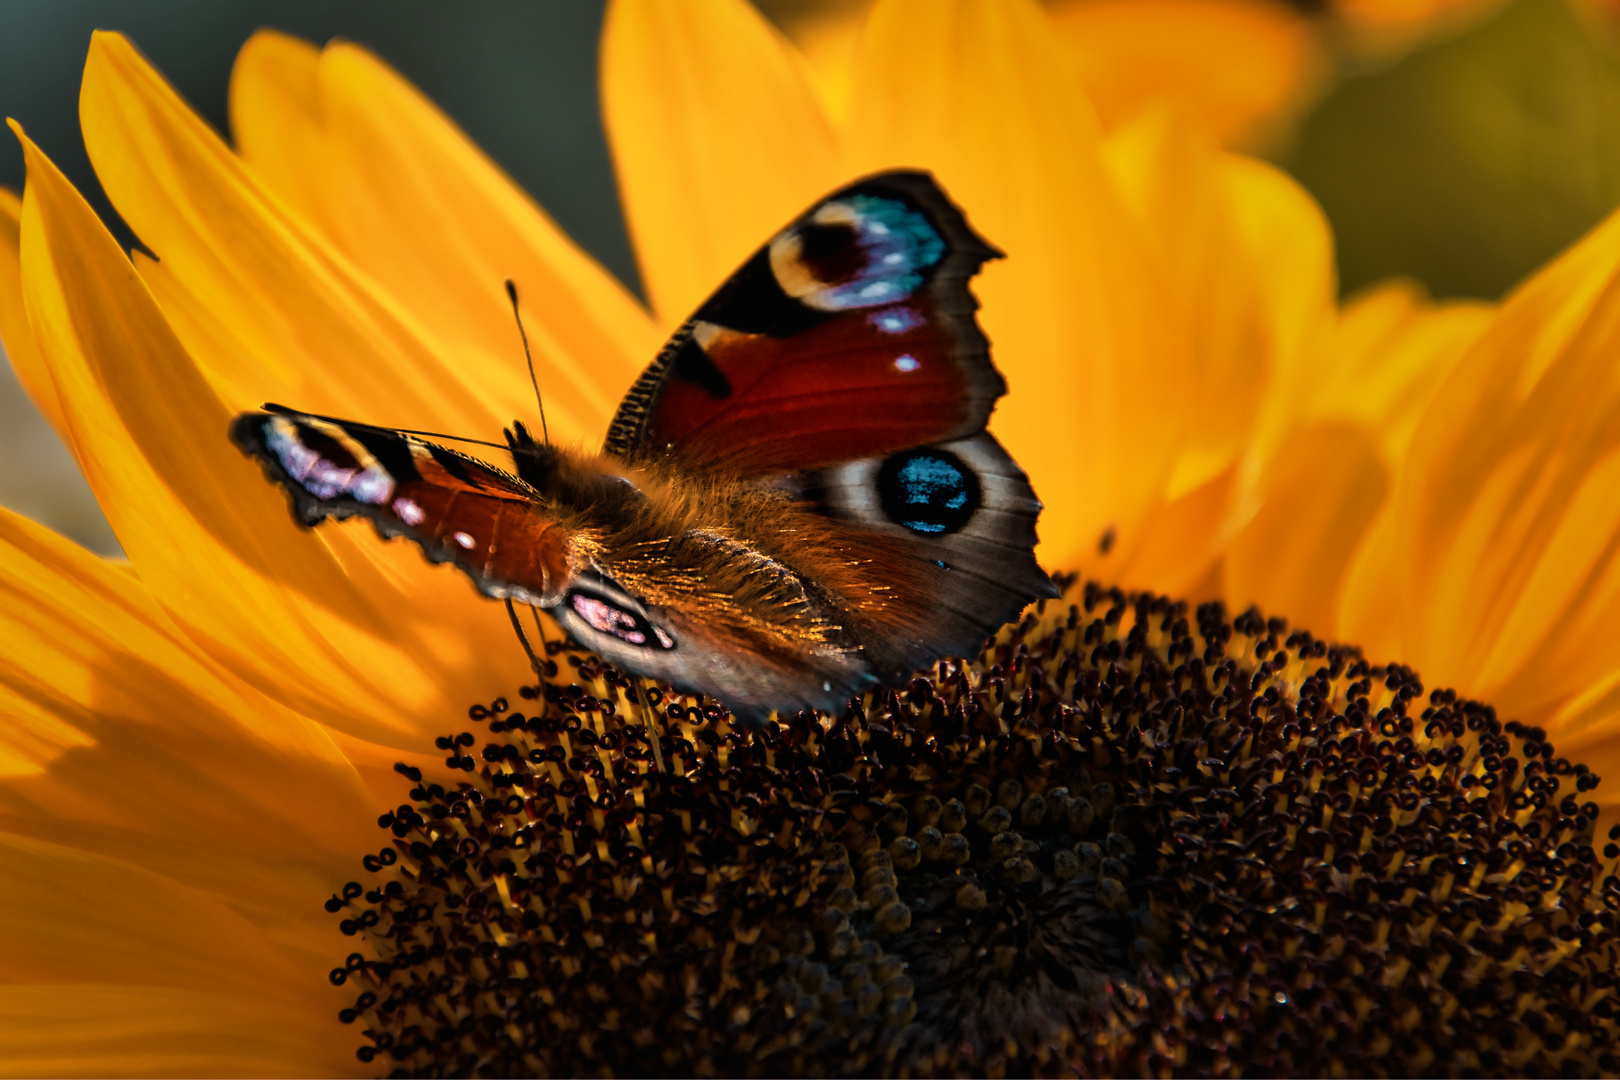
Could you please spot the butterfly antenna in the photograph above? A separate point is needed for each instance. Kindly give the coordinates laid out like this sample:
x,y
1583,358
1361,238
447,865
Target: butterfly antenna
x,y
284,410
511,294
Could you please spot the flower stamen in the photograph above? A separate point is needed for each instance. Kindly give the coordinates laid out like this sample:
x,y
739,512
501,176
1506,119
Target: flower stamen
x,y
1121,839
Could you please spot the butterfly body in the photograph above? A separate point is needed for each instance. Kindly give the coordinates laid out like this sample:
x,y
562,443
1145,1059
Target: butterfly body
x,y
795,502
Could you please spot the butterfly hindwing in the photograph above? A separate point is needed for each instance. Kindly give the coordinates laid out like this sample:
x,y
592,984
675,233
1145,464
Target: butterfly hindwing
x,y
456,508
851,333
952,526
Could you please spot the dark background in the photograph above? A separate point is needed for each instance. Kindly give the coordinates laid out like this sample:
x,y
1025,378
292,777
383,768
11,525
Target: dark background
x,y
520,77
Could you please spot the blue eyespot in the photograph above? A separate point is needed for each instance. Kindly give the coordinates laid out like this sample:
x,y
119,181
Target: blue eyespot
x,y
865,251
928,491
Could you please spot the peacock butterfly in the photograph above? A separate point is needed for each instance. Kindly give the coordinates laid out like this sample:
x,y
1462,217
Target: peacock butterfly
x,y
796,501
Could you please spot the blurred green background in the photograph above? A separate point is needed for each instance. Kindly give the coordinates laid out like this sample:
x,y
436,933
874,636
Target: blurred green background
x,y
1465,164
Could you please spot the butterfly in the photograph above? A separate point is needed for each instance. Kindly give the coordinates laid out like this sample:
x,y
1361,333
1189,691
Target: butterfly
x,y
796,501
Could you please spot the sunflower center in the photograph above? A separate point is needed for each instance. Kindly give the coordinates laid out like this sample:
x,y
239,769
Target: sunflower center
x,y
1121,839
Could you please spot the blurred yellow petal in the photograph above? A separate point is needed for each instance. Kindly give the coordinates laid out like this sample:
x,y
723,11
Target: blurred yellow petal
x,y
345,629
308,328
1242,69
986,97
131,936
827,32
1180,185
15,337
1249,257
1390,351
718,139
1321,494
1183,541
1507,524
424,213
1380,29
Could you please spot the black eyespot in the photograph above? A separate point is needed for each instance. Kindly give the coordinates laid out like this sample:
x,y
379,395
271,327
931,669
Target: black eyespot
x,y
928,491
832,253
606,616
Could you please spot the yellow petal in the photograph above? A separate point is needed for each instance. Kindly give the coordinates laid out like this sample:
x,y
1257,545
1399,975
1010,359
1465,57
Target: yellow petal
x,y
357,633
1370,603
1587,729
422,211
117,736
1379,29
1242,69
718,139
1183,541
1389,353
71,919
1317,500
301,324
827,33
1287,248
1508,525
1249,258
15,337
986,97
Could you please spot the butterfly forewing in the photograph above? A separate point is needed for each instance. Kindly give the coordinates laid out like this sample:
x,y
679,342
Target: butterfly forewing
x,y
458,509
850,334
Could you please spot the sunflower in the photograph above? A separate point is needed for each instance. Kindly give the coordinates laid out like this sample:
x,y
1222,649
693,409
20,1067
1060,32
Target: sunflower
x,y
1223,843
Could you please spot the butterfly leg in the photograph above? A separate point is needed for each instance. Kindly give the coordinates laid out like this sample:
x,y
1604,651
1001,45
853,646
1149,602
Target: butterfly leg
x,y
535,662
653,735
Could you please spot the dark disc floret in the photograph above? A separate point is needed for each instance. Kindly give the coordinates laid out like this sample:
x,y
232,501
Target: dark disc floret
x,y
1127,838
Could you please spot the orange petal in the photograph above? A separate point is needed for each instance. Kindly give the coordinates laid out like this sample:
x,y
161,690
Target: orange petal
x,y
270,309
986,97
422,211
718,139
191,987
1242,69
15,336
1317,501
1508,527
348,630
